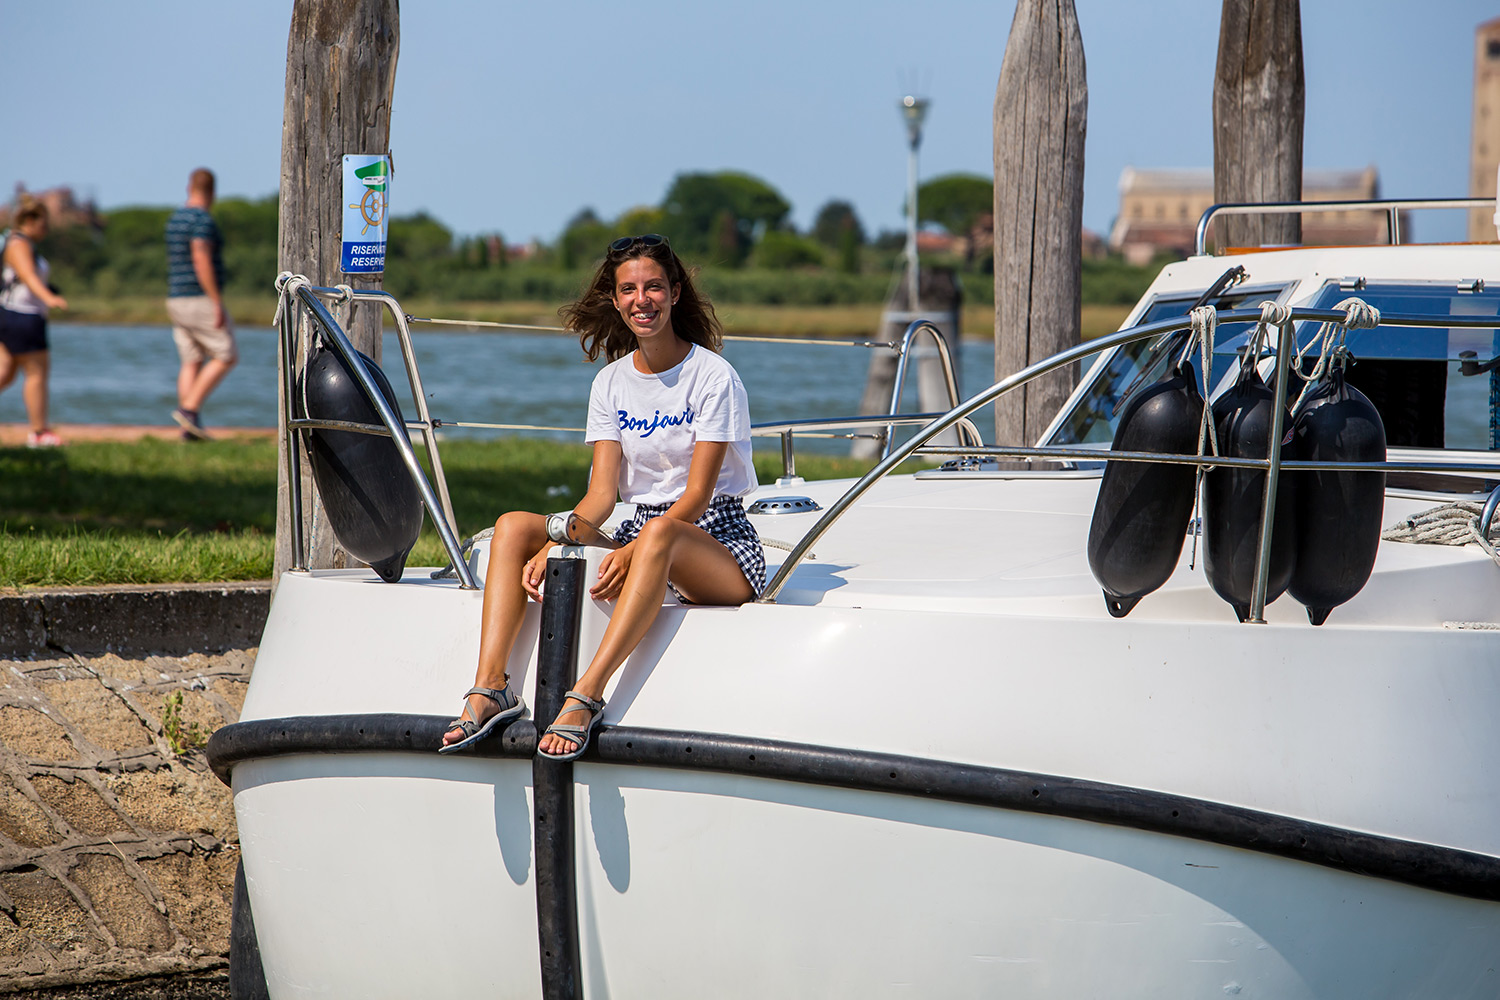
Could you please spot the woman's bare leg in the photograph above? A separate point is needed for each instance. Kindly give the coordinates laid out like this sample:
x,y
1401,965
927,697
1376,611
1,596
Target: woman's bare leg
x,y
36,365
702,568
518,537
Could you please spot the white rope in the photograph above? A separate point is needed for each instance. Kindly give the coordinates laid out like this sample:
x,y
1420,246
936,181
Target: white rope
x,y
1205,321
1358,315
1454,523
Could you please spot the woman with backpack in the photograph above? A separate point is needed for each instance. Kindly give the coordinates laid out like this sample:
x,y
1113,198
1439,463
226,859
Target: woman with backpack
x,y
25,300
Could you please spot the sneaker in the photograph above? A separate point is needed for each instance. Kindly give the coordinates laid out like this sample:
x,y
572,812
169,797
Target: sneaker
x,y
192,428
43,439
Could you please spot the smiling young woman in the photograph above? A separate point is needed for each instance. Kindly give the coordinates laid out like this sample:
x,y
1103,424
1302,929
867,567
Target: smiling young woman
x,y
670,424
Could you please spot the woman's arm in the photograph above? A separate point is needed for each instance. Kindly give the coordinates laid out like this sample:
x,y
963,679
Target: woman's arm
x,y
22,259
703,476
604,482
597,504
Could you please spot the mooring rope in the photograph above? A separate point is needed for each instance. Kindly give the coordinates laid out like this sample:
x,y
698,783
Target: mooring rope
x,y
1330,341
1205,320
1455,523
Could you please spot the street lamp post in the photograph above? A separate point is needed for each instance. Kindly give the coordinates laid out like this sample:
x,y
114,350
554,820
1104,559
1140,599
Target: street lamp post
x,y
913,111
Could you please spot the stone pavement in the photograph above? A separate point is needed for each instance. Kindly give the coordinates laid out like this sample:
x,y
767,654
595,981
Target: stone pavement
x,y
117,851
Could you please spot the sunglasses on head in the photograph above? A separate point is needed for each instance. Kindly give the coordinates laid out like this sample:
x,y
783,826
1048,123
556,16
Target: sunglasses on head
x,y
648,240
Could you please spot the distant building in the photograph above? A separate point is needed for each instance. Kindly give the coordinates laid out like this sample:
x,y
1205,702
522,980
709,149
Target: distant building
x,y
1159,210
63,209
1484,154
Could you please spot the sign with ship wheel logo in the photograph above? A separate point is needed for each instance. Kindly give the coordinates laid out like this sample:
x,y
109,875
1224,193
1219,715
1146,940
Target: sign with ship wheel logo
x,y
366,195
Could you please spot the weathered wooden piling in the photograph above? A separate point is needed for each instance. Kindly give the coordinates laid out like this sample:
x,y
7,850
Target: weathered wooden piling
x,y
1259,97
340,77
1041,111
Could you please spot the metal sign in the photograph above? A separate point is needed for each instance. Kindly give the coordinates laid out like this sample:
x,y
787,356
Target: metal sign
x,y
367,183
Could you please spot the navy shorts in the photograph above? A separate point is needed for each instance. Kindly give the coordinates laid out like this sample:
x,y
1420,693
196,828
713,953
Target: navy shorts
x,y
725,520
23,333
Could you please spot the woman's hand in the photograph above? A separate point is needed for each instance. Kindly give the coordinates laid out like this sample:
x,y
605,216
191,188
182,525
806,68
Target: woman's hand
x,y
535,571
612,572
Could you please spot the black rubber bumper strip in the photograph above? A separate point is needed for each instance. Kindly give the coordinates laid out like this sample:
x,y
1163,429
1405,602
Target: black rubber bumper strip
x,y
1428,866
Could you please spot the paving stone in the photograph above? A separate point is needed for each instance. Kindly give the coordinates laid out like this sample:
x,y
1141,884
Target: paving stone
x,y
233,693
14,943
117,668
30,732
198,888
176,798
46,910
79,803
131,918
97,712
22,820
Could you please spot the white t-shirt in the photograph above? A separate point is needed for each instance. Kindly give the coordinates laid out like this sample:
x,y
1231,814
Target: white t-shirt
x,y
18,296
657,418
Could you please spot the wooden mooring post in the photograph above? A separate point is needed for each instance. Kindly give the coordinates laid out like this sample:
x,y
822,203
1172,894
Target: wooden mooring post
x,y
1259,98
340,76
1041,111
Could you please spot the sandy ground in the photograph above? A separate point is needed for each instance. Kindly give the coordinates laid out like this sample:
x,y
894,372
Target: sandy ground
x,y
14,435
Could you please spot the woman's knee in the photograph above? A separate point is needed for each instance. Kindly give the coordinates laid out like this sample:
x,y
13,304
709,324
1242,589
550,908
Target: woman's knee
x,y
659,534
517,527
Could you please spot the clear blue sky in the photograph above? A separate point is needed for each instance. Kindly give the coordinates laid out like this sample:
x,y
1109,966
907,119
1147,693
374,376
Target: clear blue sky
x,y
514,116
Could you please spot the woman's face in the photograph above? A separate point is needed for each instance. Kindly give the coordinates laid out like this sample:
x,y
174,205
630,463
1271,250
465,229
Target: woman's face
x,y
34,229
644,297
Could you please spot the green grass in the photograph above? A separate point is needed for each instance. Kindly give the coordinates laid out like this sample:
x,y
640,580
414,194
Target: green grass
x,y
165,512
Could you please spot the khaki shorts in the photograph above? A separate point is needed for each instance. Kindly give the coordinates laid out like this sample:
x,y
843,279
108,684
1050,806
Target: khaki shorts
x,y
193,318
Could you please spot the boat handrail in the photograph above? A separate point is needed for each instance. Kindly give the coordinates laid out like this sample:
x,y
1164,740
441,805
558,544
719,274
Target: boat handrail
x,y
290,287
1272,463
913,330
1391,206
821,426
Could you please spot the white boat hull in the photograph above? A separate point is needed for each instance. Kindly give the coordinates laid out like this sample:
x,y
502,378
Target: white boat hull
x,y
419,870
767,888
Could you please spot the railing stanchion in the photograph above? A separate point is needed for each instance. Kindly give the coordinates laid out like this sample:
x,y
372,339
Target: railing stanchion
x,y
1285,348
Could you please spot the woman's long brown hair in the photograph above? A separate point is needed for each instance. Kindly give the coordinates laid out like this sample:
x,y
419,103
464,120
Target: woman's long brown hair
x,y
602,330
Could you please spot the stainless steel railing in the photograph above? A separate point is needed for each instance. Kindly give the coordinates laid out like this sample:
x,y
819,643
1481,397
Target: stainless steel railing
x,y
1272,463
294,289
1391,206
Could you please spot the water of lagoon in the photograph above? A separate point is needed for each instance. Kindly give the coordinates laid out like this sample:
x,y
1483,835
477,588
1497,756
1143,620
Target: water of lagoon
x,y
127,375
104,374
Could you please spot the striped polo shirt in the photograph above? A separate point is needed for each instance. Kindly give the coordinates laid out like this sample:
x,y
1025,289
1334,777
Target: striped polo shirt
x,y
186,225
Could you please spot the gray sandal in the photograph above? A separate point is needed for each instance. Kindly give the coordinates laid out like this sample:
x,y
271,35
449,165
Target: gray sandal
x,y
576,735
511,707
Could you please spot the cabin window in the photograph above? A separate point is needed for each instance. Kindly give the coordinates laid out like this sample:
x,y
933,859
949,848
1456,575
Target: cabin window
x,y
1092,420
1413,375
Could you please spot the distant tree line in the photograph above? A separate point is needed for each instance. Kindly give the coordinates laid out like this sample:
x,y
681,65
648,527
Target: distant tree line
x,y
734,226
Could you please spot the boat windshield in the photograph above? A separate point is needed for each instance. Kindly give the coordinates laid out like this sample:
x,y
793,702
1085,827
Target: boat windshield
x,y
1415,375
1092,418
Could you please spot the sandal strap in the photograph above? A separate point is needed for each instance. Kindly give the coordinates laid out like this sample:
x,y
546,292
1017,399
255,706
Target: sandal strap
x,y
576,735
504,697
467,726
594,705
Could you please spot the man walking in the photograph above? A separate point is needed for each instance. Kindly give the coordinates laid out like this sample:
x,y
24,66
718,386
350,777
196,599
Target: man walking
x,y
195,303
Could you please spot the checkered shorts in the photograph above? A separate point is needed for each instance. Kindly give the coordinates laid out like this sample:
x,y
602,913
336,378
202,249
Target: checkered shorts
x,y
725,520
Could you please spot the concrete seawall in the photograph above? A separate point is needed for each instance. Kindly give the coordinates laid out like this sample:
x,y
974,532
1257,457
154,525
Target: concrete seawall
x,y
117,844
